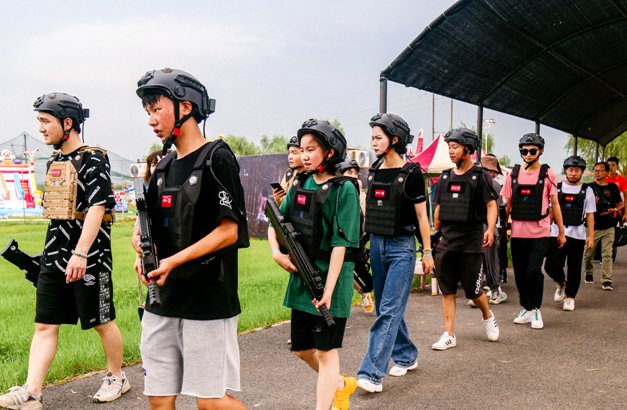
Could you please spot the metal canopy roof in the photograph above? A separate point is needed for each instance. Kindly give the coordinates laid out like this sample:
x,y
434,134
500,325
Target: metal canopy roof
x,y
561,63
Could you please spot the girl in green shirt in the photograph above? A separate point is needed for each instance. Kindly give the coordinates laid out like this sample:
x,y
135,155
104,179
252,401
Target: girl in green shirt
x,y
329,234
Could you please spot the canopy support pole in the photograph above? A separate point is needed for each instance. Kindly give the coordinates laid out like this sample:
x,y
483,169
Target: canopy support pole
x,y
575,145
537,128
383,94
596,152
479,130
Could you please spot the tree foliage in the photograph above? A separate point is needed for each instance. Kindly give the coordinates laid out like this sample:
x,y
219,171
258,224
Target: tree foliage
x,y
587,150
505,161
273,145
241,145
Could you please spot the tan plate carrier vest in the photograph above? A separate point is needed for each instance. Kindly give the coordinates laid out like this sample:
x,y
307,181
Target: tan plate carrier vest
x,y
61,184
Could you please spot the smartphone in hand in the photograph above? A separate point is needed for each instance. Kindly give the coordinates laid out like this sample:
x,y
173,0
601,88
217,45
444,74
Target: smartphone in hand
x,y
276,185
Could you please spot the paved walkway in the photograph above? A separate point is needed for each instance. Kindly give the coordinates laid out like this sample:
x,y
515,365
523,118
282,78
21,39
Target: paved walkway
x,y
577,361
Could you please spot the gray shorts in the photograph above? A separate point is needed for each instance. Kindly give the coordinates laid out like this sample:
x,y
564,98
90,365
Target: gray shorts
x,y
198,358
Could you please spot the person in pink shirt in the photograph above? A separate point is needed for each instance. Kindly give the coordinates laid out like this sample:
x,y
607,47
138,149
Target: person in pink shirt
x,y
527,192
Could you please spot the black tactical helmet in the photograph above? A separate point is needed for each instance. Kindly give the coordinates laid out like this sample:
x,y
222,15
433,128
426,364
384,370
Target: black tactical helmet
x,y
393,126
293,142
326,132
463,136
179,85
348,164
531,139
575,161
62,106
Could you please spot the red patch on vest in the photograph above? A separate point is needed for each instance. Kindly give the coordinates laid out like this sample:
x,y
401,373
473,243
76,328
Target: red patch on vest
x,y
456,188
56,173
166,201
569,198
379,193
301,200
525,191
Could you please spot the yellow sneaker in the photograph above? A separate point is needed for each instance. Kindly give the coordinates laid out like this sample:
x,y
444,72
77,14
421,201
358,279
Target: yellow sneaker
x,y
341,400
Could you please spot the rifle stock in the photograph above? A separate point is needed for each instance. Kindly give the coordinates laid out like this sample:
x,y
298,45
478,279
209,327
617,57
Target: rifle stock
x,y
29,264
288,238
150,261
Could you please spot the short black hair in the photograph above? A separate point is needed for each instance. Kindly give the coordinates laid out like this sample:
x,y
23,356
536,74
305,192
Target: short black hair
x,y
605,165
152,96
613,159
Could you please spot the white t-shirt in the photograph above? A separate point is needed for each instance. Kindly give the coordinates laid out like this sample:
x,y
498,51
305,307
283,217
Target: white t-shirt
x,y
589,207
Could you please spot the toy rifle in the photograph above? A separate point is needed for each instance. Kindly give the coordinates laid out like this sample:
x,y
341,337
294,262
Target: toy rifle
x,y
29,264
361,274
150,261
288,239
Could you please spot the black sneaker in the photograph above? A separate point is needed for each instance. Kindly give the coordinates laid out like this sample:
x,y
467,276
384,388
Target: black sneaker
x,y
588,278
607,286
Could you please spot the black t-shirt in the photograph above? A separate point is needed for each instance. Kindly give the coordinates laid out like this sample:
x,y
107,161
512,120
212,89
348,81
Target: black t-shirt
x,y
93,188
414,192
212,293
466,236
607,196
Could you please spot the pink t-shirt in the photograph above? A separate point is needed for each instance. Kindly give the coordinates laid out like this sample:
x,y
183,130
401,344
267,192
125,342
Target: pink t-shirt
x,y
532,229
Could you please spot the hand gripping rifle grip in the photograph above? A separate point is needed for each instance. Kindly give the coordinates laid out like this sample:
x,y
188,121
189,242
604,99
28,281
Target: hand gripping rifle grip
x,y
326,315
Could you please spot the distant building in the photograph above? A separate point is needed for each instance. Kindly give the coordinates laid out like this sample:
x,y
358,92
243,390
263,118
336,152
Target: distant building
x,y
120,166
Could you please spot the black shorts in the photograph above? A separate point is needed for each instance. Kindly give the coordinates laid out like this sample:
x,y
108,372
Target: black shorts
x,y
90,299
310,332
453,267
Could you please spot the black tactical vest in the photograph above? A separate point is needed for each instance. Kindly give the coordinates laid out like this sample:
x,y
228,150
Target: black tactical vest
x,y
527,199
572,205
383,202
305,214
459,201
174,213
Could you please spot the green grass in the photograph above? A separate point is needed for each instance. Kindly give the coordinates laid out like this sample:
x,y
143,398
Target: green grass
x,y
261,287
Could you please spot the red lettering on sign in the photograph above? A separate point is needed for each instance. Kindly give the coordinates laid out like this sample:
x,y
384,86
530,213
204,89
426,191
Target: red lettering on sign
x,y
301,200
569,198
379,193
525,191
456,188
166,201
56,173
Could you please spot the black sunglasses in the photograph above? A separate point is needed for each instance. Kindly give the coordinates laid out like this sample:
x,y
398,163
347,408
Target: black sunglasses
x,y
532,151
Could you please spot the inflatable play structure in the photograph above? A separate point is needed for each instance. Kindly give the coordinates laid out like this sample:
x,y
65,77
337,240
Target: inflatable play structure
x,y
18,190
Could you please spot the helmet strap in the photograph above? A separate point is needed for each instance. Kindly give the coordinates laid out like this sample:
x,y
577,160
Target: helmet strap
x,y
459,163
177,127
66,136
530,163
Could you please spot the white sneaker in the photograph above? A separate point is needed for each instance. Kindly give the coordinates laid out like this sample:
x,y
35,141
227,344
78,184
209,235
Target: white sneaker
x,y
369,386
523,317
398,371
569,304
471,303
445,342
536,319
491,328
111,389
498,296
559,294
19,398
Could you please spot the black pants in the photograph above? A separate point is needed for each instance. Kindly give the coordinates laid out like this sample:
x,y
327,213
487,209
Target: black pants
x,y
527,257
571,253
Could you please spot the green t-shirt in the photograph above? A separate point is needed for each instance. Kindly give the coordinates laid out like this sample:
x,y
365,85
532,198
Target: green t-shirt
x,y
346,217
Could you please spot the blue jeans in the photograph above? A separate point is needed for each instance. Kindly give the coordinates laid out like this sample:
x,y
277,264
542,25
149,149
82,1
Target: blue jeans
x,y
392,260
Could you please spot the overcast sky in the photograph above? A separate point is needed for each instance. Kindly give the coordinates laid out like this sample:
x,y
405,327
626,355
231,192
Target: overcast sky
x,y
269,64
